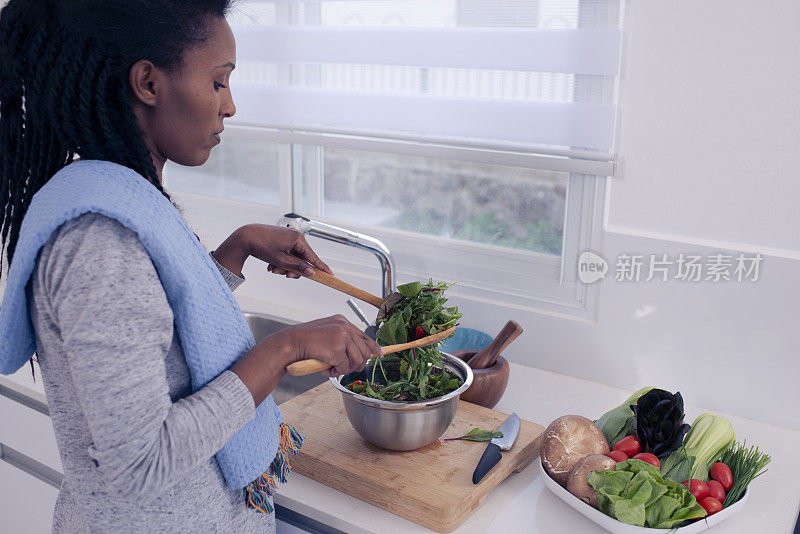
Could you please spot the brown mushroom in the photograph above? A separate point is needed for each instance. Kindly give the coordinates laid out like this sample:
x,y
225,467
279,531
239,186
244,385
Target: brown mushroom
x,y
577,483
566,441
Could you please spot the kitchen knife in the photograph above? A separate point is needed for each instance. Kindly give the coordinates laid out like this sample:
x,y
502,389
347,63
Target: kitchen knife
x,y
510,429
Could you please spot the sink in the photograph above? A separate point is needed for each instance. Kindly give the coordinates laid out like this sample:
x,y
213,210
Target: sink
x,y
289,386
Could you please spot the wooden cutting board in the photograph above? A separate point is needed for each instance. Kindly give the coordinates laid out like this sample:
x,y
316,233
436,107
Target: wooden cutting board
x,y
431,486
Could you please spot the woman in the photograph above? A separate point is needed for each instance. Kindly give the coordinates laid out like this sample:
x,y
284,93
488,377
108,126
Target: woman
x,y
151,377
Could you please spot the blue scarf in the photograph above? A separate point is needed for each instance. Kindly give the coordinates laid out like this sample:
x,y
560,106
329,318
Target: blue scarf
x,y
211,326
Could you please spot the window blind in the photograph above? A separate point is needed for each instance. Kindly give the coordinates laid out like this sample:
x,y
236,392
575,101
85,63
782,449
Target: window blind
x,y
521,76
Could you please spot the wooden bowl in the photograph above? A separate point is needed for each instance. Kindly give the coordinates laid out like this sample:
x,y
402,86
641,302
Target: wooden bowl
x,y
488,385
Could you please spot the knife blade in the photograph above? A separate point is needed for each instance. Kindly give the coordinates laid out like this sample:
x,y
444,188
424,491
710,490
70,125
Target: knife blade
x,y
510,429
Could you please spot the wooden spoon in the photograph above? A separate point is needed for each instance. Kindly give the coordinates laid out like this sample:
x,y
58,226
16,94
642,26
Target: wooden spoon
x,y
306,367
488,355
384,305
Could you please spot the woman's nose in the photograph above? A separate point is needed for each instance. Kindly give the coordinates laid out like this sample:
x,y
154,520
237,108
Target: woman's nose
x,y
228,108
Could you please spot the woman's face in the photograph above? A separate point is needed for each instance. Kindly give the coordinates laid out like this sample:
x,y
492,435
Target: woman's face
x,y
181,112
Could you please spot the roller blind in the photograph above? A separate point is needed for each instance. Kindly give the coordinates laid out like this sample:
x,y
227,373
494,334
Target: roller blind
x,y
513,75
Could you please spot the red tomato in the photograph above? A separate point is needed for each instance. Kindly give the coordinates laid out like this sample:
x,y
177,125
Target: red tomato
x,y
722,474
630,446
420,332
617,456
649,458
711,505
716,490
697,487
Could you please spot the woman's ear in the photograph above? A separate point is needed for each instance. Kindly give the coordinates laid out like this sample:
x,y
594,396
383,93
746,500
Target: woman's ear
x,y
143,78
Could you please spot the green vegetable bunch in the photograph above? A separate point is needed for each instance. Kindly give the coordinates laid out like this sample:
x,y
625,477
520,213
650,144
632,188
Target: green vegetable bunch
x,y
708,438
637,494
745,465
415,374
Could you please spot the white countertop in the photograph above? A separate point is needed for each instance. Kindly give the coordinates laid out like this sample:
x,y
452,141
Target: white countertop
x,y
522,504
522,501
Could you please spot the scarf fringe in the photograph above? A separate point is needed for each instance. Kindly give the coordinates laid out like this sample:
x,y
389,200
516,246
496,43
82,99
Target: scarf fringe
x,y
258,492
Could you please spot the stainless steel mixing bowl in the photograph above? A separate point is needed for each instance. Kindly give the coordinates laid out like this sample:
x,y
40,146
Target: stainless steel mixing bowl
x,y
405,426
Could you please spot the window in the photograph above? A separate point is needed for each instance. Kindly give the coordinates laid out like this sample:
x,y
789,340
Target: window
x,y
506,206
473,136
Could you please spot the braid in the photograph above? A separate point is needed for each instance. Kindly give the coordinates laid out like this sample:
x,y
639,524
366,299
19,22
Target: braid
x,y
64,89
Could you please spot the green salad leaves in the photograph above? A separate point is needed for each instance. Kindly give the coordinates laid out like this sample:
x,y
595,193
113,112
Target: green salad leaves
x,y
637,494
415,374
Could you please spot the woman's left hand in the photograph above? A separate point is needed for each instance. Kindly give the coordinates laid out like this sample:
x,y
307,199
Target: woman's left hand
x,y
281,248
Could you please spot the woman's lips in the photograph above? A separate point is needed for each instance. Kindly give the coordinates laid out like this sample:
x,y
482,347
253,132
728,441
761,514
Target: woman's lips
x,y
216,138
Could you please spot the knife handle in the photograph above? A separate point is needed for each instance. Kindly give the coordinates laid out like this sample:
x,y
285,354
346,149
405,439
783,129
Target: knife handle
x,y
489,459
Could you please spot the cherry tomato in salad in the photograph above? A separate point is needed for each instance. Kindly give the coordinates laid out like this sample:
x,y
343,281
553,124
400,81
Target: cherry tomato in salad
x,y
651,459
697,487
617,456
420,332
356,386
716,490
722,474
630,446
711,505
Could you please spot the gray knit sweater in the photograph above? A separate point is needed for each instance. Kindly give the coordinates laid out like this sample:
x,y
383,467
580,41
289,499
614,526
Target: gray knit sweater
x,y
137,447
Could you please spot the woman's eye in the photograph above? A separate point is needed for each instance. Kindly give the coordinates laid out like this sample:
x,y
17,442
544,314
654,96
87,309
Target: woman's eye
x,y
218,86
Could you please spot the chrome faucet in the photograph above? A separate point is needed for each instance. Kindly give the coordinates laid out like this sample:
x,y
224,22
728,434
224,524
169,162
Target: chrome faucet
x,y
346,237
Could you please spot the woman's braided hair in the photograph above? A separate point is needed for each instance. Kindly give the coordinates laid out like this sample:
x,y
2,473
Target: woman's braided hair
x,y
64,89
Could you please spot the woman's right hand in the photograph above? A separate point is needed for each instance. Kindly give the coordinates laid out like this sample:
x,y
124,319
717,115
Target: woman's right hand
x,y
333,340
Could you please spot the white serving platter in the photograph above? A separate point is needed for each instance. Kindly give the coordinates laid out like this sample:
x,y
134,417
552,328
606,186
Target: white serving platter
x,y
618,527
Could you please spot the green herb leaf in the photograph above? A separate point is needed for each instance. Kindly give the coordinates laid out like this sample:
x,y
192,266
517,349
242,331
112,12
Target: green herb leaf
x,y
423,384
409,290
476,434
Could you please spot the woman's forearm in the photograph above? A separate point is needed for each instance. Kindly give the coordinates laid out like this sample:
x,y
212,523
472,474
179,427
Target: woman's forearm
x,y
234,251
264,365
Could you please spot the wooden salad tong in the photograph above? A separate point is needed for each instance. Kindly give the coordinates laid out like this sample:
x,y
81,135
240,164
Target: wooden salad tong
x,y
383,305
306,367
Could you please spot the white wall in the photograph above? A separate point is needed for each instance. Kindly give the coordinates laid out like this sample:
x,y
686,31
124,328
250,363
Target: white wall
x,y
709,123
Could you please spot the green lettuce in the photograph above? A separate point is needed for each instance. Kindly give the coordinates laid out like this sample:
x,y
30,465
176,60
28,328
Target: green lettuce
x,y
618,423
637,494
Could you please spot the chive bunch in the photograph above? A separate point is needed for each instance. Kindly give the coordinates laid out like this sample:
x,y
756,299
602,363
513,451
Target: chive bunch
x,y
745,464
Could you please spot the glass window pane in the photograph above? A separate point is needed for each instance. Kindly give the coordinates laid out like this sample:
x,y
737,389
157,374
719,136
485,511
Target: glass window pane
x,y
242,167
497,205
